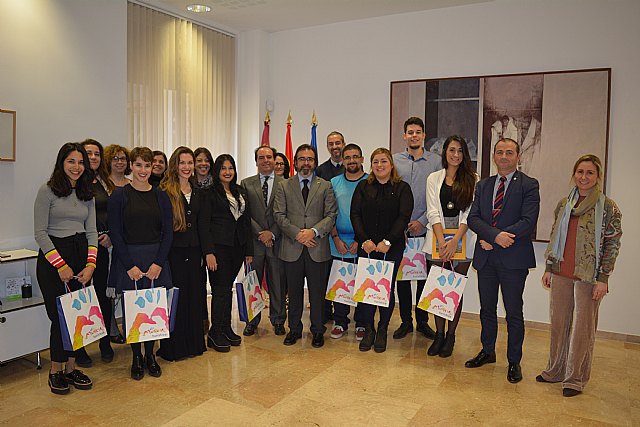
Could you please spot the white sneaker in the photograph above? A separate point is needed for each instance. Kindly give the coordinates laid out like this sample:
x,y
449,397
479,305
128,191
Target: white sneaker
x,y
359,333
337,332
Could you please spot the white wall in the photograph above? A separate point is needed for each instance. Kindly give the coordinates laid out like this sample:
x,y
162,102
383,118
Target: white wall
x,y
343,72
63,69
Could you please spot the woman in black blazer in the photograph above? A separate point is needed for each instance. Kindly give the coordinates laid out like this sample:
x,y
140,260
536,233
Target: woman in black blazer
x,y
230,242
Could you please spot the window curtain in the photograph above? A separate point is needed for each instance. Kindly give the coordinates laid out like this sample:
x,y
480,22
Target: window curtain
x,y
180,83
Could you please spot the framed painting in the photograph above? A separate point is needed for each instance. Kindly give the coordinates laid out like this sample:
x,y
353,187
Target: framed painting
x,y
7,135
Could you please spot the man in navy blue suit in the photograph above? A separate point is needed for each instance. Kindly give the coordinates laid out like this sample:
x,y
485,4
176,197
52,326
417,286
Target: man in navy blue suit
x,y
504,215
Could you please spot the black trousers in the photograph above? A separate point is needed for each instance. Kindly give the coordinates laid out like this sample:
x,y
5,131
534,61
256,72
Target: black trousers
x,y
316,275
405,300
73,250
100,276
229,260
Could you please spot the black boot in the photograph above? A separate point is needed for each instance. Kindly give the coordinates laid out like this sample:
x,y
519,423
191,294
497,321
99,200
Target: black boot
x,y
436,345
152,365
137,367
218,341
447,348
367,341
381,340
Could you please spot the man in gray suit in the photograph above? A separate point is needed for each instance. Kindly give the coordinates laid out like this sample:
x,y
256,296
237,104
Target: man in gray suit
x,y
260,191
305,210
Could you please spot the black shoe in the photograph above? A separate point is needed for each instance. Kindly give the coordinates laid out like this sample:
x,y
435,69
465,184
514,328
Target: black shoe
x,y
369,338
481,358
58,383
82,358
426,330
79,380
380,344
540,379
436,345
291,338
218,342
279,330
566,392
403,330
106,356
117,339
514,375
249,330
447,348
318,340
233,338
137,368
152,365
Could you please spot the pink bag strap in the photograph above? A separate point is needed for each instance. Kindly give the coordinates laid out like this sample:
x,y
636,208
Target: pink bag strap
x,y
450,265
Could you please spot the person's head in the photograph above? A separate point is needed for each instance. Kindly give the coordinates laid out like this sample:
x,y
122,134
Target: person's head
x,y
204,160
456,153
281,165
69,172
181,164
587,173
305,159
506,154
352,158
414,133
505,121
98,165
265,158
224,171
140,164
117,159
159,164
382,167
335,145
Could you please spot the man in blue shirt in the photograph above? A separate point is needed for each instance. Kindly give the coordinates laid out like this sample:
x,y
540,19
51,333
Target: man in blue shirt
x,y
342,242
414,165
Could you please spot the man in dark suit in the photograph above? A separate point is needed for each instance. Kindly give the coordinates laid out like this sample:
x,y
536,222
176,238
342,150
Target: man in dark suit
x,y
305,210
260,191
504,215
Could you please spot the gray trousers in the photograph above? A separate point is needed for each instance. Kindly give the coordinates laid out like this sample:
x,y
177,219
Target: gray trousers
x,y
270,265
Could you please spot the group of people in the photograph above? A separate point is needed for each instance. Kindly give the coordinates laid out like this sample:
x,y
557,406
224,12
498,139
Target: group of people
x,y
172,222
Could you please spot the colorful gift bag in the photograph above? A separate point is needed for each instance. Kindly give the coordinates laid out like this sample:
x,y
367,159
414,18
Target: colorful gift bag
x,y
249,295
442,292
146,316
342,280
413,265
373,281
81,320
172,304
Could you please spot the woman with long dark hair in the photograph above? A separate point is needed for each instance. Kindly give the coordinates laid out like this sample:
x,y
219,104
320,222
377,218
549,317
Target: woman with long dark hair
x,y
190,226
141,230
65,230
230,242
449,197
158,167
204,162
282,167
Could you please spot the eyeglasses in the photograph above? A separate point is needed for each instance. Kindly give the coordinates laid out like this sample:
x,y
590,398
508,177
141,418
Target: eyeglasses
x,y
306,159
346,159
119,159
279,163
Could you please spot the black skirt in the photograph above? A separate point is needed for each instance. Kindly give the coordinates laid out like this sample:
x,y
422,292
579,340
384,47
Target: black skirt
x,y
143,256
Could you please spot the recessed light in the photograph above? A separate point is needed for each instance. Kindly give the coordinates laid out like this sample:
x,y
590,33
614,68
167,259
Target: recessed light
x,y
198,8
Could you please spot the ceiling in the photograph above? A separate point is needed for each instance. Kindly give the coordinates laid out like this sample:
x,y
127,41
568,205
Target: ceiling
x,y
235,16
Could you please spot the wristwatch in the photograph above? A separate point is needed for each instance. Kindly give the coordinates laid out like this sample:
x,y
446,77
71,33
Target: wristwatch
x,y
386,242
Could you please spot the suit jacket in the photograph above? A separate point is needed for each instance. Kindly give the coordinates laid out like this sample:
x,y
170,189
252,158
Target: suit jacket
x,y
223,227
292,215
519,216
261,215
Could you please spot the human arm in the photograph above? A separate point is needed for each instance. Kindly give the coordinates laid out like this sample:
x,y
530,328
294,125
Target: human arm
x,y
611,241
341,247
41,210
405,207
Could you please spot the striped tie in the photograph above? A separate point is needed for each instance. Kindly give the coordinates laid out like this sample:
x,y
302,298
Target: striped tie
x,y
497,203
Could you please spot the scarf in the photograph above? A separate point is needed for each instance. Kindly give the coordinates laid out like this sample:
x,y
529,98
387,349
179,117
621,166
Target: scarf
x,y
206,182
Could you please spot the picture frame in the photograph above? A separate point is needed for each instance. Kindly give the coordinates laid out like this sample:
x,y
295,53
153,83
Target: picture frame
x,y
7,135
461,249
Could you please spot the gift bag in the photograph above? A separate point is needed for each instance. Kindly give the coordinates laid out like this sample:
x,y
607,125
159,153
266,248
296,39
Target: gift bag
x,y
81,320
342,280
442,292
146,315
172,304
249,295
413,265
373,281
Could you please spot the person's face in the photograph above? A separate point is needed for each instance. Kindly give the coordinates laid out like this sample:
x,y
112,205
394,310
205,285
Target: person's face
x,y
454,153
94,156
279,166
414,137
73,166
305,162
227,172
158,166
119,162
185,165
265,161
586,176
202,165
140,170
335,144
381,166
352,161
506,157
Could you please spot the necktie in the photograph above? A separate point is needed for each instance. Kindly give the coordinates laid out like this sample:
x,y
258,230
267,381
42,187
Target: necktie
x,y
497,203
265,190
305,190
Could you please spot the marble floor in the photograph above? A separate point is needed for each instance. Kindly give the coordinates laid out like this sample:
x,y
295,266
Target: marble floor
x,y
264,383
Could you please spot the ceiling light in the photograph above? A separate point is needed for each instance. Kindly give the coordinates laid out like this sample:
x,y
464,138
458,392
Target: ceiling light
x,y
198,8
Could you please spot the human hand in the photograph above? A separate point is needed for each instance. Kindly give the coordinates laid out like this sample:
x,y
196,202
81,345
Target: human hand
x,y
266,237
368,246
154,272
382,248
415,228
340,246
600,289
448,249
135,273
104,240
505,239
305,235
486,246
66,274
546,280
311,243
248,259
84,276
212,263
353,248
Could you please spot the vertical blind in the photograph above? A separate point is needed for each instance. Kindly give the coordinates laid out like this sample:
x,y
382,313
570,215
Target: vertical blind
x,y
180,83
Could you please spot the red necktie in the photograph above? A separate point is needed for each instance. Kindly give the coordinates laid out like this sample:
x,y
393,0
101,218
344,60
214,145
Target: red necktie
x,y
497,203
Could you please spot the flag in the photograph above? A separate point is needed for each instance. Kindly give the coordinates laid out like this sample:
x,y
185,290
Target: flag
x,y
288,149
265,131
314,125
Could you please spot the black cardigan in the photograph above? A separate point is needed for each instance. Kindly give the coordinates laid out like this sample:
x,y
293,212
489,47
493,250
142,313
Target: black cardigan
x,y
223,227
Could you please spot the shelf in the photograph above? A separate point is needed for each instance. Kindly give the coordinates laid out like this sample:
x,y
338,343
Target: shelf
x,y
9,305
18,255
